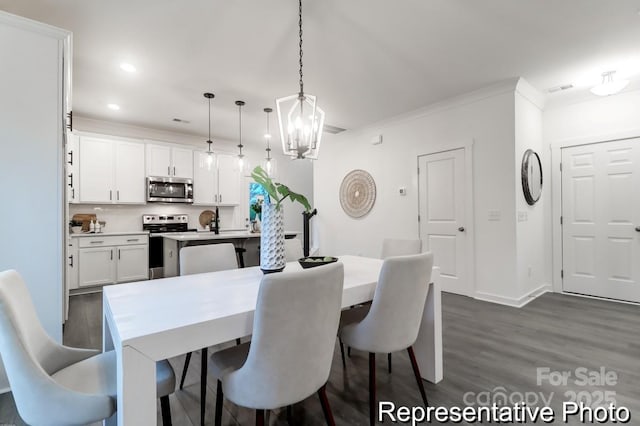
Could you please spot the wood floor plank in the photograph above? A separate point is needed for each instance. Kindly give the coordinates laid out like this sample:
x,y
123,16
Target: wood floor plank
x,y
487,347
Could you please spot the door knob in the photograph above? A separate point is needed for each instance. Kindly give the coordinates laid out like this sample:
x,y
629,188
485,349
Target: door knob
x,y
637,228
461,229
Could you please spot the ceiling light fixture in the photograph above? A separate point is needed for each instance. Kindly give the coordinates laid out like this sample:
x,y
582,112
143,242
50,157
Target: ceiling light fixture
x,y
209,96
114,107
242,164
609,86
269,164
127,67
300,119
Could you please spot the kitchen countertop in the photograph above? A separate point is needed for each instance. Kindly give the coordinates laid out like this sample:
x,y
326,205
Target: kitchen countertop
x,y
223,235
106,234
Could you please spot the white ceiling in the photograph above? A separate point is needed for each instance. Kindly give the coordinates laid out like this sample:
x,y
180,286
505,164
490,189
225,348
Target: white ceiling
x,y
366,60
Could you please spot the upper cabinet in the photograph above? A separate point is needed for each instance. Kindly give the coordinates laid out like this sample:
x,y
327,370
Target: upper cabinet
x,y
111,171
168,161
216,182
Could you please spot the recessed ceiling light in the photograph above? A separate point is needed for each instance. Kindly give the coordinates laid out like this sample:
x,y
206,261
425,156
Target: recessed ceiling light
x,y
114,107
127,67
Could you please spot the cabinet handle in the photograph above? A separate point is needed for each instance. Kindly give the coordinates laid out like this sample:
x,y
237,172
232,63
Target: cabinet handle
x,y
133,240
169,170
111,254
110,195
118,195
71,261
174,170
70,162
96,242
70,180
215,198
118,254
220,197
73,193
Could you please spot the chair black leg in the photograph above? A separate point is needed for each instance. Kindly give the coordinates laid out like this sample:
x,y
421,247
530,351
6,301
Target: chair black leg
x,y
326,408
389,362
184,370
203,384
372,389
166,410
238,342
290,415
416,372
259,417
219,402
349,351
344,364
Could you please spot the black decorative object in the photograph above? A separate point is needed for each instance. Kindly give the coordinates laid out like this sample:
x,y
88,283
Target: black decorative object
x,y
531,176
313,261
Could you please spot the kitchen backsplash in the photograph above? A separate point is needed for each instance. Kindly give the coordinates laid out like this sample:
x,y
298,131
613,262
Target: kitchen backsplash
x,y
124,218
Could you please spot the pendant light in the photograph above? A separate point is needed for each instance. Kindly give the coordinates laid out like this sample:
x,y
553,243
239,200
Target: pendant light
x,y
299,117
609,86
209,96
242,163
269,164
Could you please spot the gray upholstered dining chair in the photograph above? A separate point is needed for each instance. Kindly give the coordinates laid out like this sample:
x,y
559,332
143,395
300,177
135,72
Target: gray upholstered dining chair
x,y
298,310
390,247
198,260
293,249
393,321
54,384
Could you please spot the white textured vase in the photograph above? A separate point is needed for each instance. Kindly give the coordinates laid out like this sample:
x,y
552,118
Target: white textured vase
x,y
272,255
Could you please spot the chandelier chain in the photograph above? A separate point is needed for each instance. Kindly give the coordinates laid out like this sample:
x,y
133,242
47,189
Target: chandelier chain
x,y
300,37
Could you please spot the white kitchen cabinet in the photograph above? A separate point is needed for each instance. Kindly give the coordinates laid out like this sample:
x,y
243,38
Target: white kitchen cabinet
x,y
182,162
205,179
229,179
168,161
96,170
111,171
107,259
218,183
96,266
73,171
129,172
133,263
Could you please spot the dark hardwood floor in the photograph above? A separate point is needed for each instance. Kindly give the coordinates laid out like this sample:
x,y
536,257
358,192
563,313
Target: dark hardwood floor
x,y
487,348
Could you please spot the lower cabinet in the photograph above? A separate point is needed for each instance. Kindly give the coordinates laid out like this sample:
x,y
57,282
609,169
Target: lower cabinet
x,y
105,259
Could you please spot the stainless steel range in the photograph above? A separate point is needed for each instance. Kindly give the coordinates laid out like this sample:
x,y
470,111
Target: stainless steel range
x,y
157,224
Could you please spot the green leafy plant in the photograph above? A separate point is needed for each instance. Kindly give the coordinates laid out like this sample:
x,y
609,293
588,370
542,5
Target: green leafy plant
x,y
276,190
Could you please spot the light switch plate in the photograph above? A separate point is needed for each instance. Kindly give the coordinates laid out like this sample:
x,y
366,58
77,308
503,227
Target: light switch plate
x,y
523,216
402,190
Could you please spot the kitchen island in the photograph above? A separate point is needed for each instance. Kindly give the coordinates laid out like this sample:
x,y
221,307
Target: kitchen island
x,y
173,242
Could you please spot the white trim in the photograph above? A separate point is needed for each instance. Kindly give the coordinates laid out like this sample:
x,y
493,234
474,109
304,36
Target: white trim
x,y
556,192
604,299
511,301
33,26
468,207
506,86
530,93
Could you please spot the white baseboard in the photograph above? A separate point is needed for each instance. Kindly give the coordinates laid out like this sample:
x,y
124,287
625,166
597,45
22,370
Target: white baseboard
x,y
512,301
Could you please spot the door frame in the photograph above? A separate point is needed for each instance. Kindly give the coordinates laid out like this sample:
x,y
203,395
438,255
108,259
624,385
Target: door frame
x,y
469,216
556,194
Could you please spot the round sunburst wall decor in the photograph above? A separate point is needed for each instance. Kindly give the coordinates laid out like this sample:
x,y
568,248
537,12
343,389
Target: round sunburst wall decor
x,y
357,193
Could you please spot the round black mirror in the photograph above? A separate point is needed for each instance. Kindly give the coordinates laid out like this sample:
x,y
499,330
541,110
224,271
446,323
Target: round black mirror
x,y
531,176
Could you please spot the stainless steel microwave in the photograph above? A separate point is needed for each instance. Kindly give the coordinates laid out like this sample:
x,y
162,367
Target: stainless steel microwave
x,y
169,190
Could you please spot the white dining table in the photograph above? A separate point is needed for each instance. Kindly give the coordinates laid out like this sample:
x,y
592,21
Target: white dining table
x,y
148,321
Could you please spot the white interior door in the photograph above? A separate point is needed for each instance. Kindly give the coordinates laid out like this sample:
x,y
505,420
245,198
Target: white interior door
x,y
442,216
601,219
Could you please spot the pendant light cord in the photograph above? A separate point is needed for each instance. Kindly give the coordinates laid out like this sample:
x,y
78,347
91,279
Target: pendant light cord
x,y
240,103
300,37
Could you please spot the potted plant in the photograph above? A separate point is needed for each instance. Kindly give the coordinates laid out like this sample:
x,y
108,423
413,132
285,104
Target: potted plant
x,y
272,253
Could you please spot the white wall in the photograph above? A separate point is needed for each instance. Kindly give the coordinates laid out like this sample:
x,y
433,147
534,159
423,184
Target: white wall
x,y
533,267
595,119
485,117
296,174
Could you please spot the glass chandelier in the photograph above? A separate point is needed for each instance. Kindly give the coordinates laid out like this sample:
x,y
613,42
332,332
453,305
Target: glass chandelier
x,y
299,117
269,164
209,96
